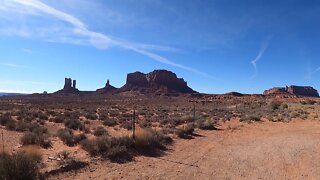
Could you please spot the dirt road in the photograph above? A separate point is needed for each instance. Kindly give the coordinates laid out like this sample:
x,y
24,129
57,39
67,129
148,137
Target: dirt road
x,y
239,151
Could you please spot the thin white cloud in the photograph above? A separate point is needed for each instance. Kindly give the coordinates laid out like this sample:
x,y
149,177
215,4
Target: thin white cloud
x,y
15,91
311,72
27,50
254,62
22,83
14,65
316,70
80,34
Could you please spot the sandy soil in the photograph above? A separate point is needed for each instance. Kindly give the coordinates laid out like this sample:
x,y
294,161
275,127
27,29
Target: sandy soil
x,y
239,151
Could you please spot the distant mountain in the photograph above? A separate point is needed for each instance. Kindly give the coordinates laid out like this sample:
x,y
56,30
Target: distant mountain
x,y
11,94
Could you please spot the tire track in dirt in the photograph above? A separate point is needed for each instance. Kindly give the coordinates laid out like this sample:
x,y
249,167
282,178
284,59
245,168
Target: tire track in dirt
x,y
255,151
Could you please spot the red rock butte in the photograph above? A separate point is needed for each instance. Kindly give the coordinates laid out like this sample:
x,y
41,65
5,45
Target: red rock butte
x,y
293,90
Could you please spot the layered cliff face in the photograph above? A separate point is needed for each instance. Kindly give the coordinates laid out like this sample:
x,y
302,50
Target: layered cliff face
x,y
158,81
293,90
108,89
69,87
303,91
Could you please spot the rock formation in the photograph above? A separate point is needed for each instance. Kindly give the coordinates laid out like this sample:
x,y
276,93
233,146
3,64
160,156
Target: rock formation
x,y
293,90
156,82
107,89
69,87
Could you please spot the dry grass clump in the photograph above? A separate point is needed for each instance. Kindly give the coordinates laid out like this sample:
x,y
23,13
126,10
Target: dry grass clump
x,y
110,122
275,104
67,137
247,118
21,165
36,136
185,131
109,147
122,148
74,124
100,131
205,124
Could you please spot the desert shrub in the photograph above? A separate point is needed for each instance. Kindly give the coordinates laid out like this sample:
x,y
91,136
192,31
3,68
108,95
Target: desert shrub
x,y
110,122
5,118
164,122
11,125
285,106
176,121
294,114
67,137
73,124
36,128
116,148
103,116
185,132
207,124
72,115
51,112
114,113
147,139
275,104
22,126
188,119
108,147
308,102
91,116
32,138
79,137
250,118
145,124
58,119
42,115
100,131
126,125
20,165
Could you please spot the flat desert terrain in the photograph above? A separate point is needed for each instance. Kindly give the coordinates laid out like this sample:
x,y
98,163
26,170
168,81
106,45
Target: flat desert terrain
x,y
184,137
264,150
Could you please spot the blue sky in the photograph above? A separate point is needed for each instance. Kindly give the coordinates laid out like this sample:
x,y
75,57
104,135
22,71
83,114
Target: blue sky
x,y
217,46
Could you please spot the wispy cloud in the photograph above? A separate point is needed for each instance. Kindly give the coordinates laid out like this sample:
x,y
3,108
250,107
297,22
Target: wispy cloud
x,y
311,72
26,50
254,62
14,65
316,70
80,34
23,83
15,91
